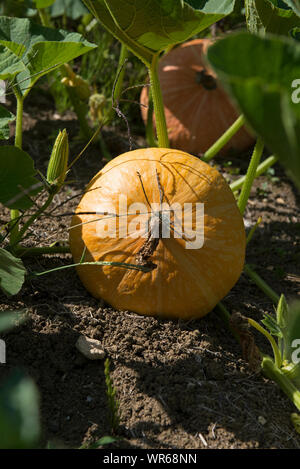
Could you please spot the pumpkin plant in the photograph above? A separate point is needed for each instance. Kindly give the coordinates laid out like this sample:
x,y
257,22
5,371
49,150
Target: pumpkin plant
x,y
198,111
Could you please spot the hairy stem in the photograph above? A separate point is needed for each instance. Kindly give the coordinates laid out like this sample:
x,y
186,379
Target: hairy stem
x,y
262,285
250,176
273,372
161,126
33,217
224,139
262,330
40,251
14,214
262,168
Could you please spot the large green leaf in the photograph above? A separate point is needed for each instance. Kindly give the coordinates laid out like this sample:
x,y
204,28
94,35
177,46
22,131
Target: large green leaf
x,y
12,273
19,413
5,118
260,74
17,179
10,64
276,17
35,50
147,27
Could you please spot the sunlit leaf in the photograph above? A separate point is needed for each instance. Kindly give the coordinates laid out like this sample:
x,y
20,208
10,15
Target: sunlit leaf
x,y
35,50
147,27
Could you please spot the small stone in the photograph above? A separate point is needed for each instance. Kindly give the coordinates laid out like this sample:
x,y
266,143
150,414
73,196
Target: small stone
x,y
90,348
262,420
280,201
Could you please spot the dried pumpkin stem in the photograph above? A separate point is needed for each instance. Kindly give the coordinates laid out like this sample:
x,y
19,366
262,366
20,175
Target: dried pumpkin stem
x,y
161,126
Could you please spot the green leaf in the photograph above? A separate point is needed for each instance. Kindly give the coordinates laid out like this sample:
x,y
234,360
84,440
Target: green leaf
x,y
17,180
43,3
148,27
33,50
276,16
19,413
295,33
271,324
5,118
294,5
9,319
266,88
12,273
73,9
10,64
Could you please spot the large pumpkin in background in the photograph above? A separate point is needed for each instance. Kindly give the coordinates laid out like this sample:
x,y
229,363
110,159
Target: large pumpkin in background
x,y
198,111
182,281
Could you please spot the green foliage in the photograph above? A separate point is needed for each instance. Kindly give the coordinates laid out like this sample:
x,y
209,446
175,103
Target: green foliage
x,y
5,118
12,273
276,17
19,413
71,8
262,84
17,178
149,27
31,51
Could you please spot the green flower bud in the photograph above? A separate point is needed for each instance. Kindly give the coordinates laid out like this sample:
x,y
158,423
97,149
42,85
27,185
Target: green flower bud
x,y
58,163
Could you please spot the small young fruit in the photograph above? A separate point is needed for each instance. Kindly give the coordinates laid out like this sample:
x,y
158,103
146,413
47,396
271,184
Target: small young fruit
x,y
58,163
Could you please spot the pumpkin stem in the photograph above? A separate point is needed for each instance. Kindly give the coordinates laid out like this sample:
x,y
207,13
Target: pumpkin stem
x,y
152,241
206,80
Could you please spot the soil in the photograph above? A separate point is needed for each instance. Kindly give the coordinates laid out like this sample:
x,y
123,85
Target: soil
x,y
179,384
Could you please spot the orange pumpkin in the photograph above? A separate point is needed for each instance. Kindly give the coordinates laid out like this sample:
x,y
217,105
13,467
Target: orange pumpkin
x,y
197,109
181,282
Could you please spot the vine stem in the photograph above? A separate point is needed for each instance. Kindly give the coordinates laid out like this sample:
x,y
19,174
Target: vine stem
x,y
225,138
40,251
262,330
262,285
274,373
14,213
161,126
262,168
36,215
250,176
